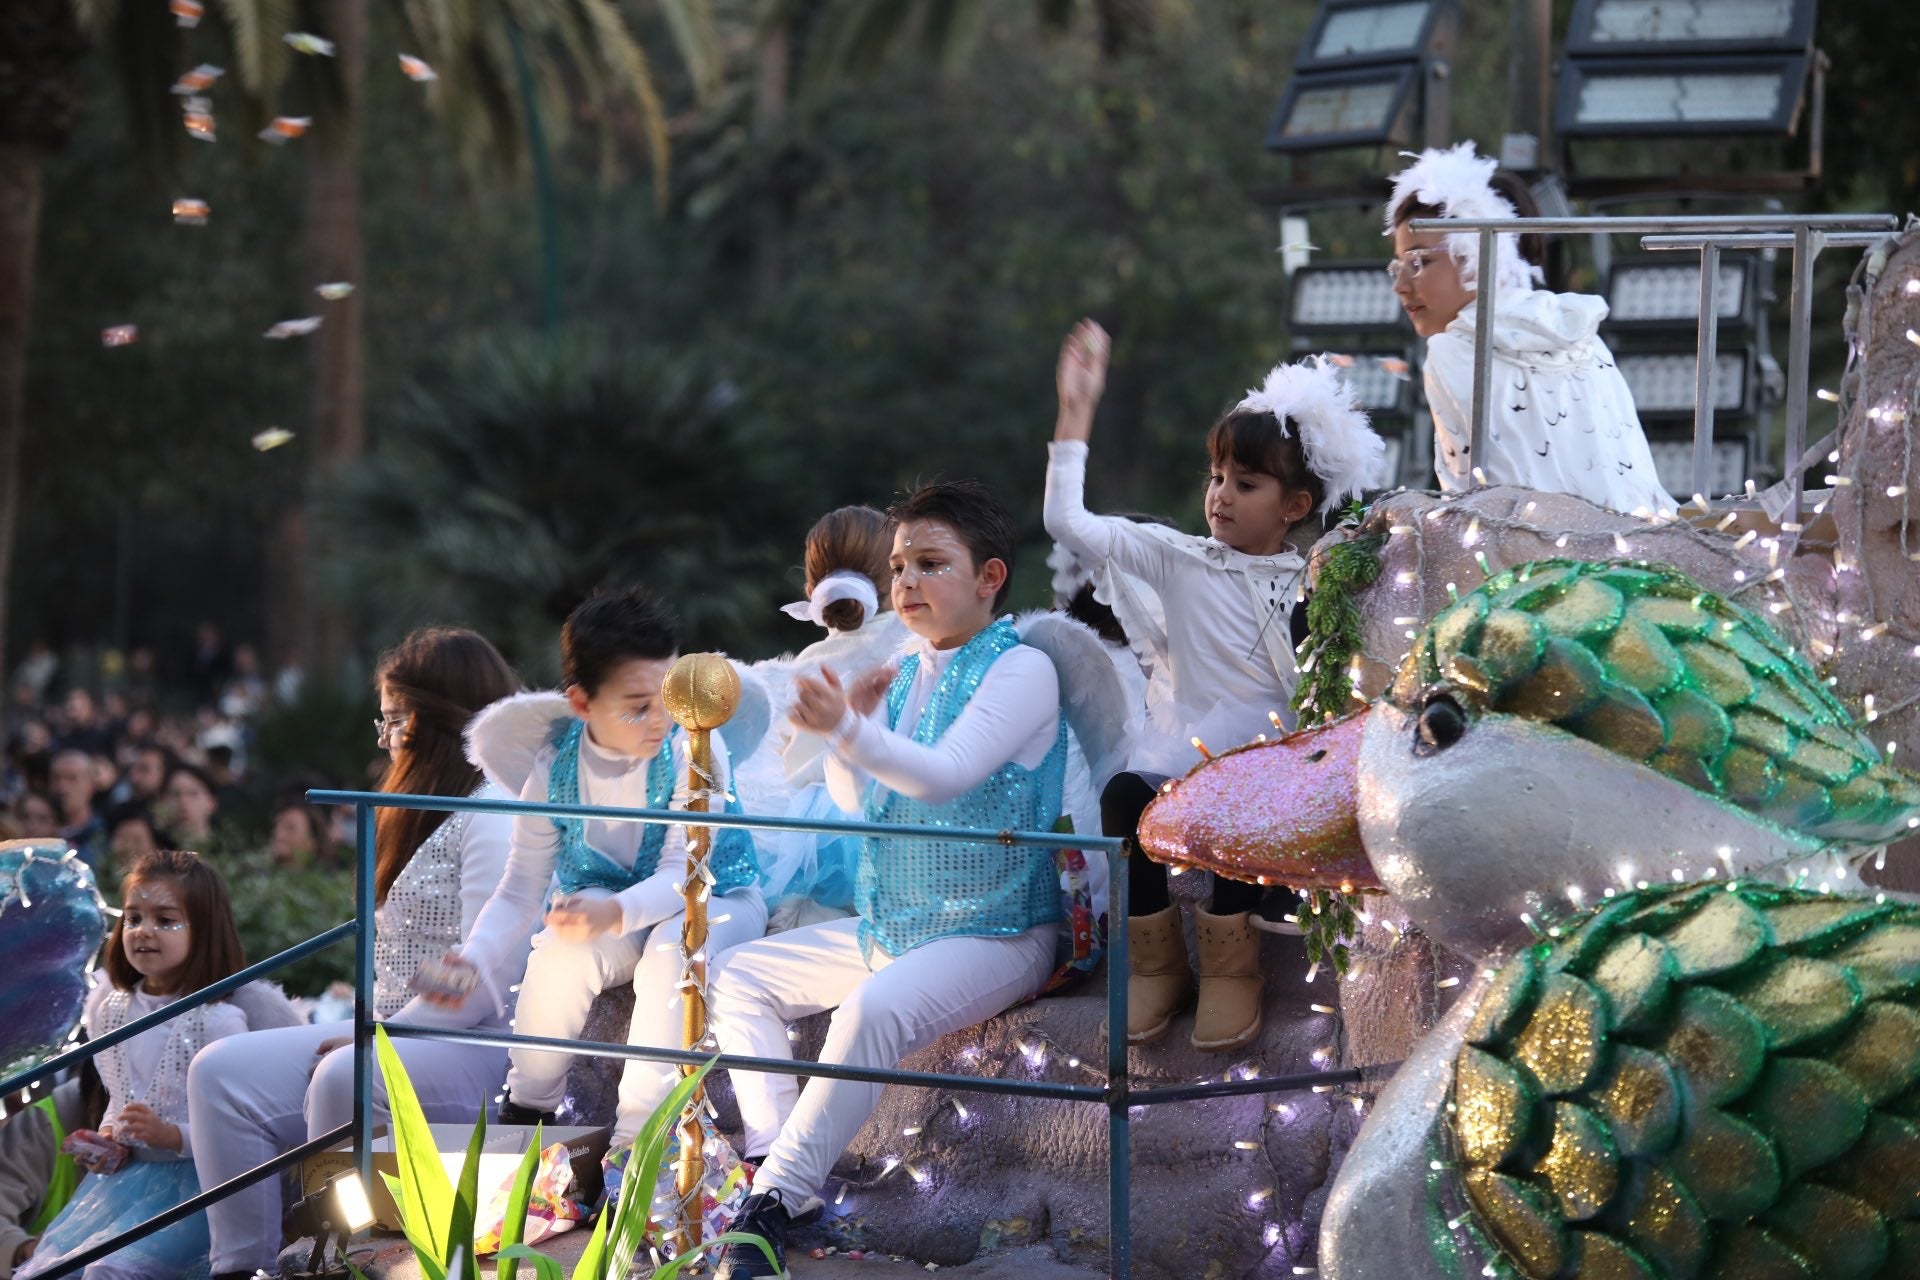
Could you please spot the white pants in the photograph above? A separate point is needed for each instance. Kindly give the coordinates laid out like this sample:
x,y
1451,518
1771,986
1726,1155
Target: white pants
x,y
882,1014
564,977
252,1096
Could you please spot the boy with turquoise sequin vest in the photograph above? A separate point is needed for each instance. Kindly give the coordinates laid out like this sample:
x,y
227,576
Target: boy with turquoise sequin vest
x,y
612,890
967,732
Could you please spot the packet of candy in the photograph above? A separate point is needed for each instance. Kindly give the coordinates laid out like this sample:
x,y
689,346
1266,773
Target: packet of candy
x,y
96,1151
436,978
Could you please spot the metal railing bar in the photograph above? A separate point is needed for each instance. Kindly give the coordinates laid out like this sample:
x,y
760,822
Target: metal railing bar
x,y
185,1004
1487,282
675,817
1119,1088
1705,363
1703,224
1259,1084
1769,240
187,1208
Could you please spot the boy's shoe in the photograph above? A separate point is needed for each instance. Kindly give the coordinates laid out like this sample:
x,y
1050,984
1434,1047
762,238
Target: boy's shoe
x,y
1231,983
511,1112
809,1209
1271,915
1159,980
764,1215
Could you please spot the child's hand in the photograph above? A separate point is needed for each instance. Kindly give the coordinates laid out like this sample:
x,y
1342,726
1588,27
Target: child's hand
x,y
867,691
447,981
140,1123
583,919
1080,377
818,704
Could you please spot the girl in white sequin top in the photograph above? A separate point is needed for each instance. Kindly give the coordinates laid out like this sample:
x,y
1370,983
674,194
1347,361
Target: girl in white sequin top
x,y
259,1094
175,936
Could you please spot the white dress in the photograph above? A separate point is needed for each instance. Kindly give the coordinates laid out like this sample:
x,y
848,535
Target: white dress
x,y
1562,419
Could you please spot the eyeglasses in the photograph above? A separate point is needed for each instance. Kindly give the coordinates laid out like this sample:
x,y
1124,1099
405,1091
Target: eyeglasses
x,y
1413,262
386,727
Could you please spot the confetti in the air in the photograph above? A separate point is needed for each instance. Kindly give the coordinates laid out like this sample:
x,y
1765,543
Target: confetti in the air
x,y
191,213
1340,361
186,12
285,129
307,42
199,118
334,290
294,328
198,80
416,69
119,335
1396,366
271,438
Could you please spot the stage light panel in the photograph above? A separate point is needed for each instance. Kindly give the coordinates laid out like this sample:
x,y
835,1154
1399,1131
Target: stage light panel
x,y
1662,382
1343,298
1663,293
1353,32
1613,27
1377,385
1669,97
1726,472
1344,109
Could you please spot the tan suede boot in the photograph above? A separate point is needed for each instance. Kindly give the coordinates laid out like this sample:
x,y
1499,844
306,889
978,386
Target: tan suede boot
x,y
1159,978
1230,981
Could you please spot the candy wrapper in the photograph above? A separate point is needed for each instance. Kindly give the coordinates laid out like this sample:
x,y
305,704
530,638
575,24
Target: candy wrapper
x,y
271,438
119,335
307,42
198,80
96,1152
551,1208
717,1200
186,13
334,290
1087,926
437,979
198,114
285,129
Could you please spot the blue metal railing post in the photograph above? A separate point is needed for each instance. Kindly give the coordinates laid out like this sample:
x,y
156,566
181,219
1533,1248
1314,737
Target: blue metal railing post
x,y
1119,1195
363,993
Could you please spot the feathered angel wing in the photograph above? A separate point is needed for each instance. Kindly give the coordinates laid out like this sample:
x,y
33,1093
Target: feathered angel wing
x,y
504,738
753,717
759,777
1092,694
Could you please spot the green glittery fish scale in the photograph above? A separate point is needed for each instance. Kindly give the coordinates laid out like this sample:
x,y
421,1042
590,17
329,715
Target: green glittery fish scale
x,y
1636,658
1700,1081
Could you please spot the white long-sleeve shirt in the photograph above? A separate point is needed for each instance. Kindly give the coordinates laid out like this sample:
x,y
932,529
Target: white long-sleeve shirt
x,y
1013,716
1226,651
606,778
154,1076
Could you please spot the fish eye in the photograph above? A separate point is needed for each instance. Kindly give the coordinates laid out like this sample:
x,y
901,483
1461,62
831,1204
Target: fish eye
x,y
1442,723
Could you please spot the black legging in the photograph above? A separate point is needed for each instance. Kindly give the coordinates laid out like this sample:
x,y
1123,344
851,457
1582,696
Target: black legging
x,y
1121,804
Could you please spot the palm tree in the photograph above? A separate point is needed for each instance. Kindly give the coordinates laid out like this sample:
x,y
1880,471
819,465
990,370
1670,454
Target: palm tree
x,y
40,52
498,62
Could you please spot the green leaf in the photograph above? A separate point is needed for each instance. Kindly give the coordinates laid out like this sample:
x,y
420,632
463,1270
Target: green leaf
x,y
466,1205
544,1268
426,1199
422,1246
643,1171
590,1265
514,1226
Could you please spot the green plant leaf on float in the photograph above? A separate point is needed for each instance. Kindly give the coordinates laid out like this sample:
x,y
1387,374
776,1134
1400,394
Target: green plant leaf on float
x,y
513,1227
426,1198
466,1198
629,1230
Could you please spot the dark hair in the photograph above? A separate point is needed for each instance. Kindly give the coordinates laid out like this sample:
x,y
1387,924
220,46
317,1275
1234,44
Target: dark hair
x,y
612,627
1254,441
443,676
133,811
198,774
216,952
858,539
971,511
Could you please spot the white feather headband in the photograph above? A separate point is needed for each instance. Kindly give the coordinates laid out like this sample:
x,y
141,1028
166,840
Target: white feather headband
x,y
1458,182
1341,447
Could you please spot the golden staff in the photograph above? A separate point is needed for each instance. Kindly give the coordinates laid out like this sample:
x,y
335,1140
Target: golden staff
x,y
702,691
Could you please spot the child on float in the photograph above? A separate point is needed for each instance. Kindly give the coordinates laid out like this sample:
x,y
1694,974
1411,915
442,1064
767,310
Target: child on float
x,y
611,891
1562,418
968,732
1217,615
174,936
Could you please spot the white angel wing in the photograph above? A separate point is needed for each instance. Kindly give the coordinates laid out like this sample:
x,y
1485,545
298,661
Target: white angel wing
x,y
759,780
1092,693
503,739
752,718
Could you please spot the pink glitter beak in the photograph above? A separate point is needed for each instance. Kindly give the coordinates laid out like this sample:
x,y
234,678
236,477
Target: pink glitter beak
x,y
1285,811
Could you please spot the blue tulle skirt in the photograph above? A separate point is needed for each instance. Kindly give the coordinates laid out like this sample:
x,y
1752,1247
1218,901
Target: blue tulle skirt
x,y
799,864
104,1205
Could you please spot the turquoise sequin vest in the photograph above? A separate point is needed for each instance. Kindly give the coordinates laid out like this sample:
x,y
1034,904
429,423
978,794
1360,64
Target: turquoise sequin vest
x,y
581,866
913,889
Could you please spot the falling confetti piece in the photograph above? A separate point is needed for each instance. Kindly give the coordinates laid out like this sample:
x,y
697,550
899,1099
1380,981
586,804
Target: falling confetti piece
x,y
285,129
191,213
416,69
1340,361
294,328
271,438
199,118
119,335
333,290
186,12
198,80
307,42
1396,366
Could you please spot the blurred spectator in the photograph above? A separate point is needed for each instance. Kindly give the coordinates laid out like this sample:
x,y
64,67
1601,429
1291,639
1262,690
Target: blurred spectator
x,y
131,833
35,817
289,678
70,786
191,803
81,727
210,665
299,834
37,669
141,725
145,776
140,682
246,691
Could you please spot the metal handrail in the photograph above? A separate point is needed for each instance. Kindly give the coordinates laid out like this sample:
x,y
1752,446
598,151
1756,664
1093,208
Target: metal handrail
x,y
1710,233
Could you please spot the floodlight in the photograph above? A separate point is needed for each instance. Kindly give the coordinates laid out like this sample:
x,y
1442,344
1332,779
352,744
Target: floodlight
x,y
1673,463
1669,97
1349,297
354,1211
1345,108
1616,27
1657,292
1662,382
1348,33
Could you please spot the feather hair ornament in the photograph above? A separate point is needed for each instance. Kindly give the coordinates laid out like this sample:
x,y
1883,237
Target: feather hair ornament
x,y
1458,182
1342,448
